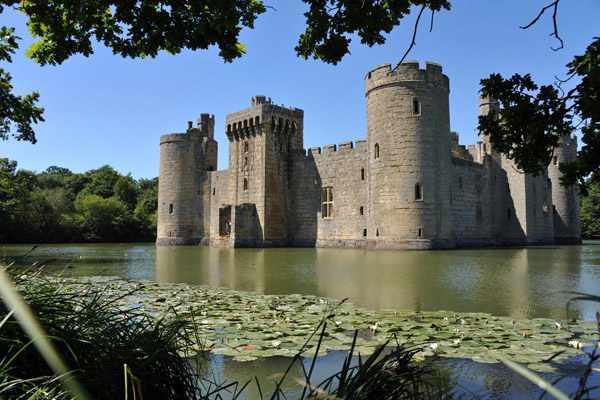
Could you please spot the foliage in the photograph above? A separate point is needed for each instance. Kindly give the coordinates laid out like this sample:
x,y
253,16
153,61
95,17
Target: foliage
x,y
530,126
330,23
58,206
590,210
15,110
96,338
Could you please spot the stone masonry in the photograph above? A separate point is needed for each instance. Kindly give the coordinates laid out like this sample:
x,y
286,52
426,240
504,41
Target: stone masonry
x,y
408,185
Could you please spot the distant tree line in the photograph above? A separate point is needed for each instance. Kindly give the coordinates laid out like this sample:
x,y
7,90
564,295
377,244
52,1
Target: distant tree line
x,y
590,209
59,206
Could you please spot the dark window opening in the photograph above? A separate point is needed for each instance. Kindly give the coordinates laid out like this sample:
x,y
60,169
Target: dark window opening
x,y
377,232
327,203
213,191
245,147
364,232
418,192
555,160
416,107
420,233
245,184
362,174
170,208
376,150
362,211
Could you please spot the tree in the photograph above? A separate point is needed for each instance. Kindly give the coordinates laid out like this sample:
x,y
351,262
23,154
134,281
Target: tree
x,y
144,28
531,124
590,210
102,182
126,191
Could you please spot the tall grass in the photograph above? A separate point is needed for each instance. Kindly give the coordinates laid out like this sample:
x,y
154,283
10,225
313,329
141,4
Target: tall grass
x,y
95,337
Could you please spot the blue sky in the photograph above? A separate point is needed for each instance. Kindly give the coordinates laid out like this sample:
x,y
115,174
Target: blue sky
x,y
109,110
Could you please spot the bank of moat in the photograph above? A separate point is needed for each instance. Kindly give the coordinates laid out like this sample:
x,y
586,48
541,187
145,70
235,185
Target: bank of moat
x,y
408,185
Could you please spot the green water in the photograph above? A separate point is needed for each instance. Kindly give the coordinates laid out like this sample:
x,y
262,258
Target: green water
x,y
517,282
520,282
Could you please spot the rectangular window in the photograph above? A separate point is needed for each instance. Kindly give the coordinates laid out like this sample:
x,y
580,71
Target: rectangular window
x,y
555,160
327,203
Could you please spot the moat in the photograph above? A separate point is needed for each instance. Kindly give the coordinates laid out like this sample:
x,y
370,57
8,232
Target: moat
x,y
519,282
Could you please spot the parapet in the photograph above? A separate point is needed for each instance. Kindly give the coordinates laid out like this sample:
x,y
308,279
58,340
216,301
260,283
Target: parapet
x,y
406,71
263,114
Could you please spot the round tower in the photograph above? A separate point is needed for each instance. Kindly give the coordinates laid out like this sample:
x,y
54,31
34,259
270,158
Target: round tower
x,y
409,165
565,199
182,174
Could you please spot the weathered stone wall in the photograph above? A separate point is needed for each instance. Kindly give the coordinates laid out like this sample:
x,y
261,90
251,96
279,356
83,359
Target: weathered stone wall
x,y
409,184
339,172
408,134
180,198
472,210
567,228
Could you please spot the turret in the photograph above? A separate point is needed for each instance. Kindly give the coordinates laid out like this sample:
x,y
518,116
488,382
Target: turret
x,y
408,134
567,228
184,160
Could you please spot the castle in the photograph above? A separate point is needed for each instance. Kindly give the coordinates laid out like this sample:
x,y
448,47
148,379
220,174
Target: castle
x,y
408,185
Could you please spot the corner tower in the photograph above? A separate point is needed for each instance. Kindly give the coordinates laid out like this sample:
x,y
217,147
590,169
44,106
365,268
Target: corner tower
x,y
185,158
409,165
567,228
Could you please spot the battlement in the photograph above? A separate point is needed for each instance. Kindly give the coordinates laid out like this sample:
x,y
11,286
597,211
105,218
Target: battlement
x,y
406,71
341,148
263,114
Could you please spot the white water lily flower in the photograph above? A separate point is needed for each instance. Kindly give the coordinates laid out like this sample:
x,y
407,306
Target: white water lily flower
x,y
558,325
434,346
337,323
205,321
446,319
576,344
456,342
276,343
375,327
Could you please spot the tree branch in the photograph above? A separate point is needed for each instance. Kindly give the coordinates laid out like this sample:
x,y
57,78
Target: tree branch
x,y
414,35
554,5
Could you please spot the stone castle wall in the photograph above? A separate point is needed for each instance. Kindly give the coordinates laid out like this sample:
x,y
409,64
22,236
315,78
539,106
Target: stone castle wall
x,y
408,185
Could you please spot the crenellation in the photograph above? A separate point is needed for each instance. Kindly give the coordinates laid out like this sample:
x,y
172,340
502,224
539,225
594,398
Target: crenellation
x,y
408,185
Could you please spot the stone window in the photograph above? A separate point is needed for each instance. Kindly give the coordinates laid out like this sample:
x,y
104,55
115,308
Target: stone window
x,y
171,208
377,232
364,232
362,174
245,147
376,150
416,107
245,184
420,233
554,160
213,191
327,209
246,161
478,185
418,192
362,210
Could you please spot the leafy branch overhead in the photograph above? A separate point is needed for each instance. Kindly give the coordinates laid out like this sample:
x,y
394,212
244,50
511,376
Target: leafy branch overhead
x,y
531,123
